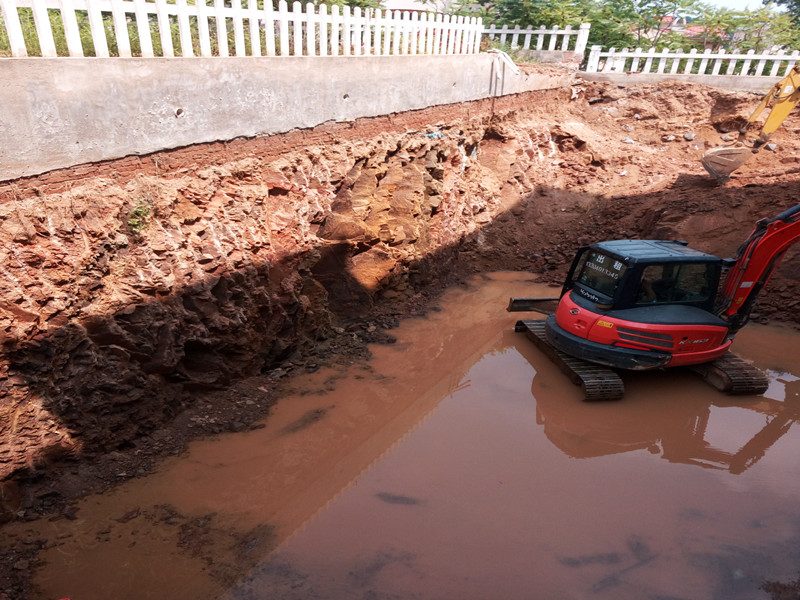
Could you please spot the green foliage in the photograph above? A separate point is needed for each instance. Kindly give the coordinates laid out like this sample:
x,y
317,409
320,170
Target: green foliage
x,y
792,8
138,216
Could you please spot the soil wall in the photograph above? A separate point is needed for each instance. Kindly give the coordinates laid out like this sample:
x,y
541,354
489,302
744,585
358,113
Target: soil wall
x,y
130,288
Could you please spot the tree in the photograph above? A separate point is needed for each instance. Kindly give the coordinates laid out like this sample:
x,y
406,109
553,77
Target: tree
x,y
792,8
766,27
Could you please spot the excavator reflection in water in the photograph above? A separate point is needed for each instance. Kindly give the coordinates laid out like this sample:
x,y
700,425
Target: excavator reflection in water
x,y
678,431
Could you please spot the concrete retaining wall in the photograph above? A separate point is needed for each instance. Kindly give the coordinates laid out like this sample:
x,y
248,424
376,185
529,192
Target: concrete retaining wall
x,y
758,85
68,111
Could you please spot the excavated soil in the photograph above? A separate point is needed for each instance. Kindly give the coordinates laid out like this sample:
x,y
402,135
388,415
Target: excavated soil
x,y
144,308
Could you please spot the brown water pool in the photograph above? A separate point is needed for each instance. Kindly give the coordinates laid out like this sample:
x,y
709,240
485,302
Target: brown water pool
x,y
459,464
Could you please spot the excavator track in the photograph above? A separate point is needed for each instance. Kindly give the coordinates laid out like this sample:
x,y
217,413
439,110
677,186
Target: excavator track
x,y
598,382
733,375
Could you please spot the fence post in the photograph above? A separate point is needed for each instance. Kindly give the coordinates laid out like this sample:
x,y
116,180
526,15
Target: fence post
x,y
594,59
582,38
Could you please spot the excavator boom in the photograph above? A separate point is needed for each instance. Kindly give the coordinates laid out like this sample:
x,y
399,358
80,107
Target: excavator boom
x,y
756,260
722,161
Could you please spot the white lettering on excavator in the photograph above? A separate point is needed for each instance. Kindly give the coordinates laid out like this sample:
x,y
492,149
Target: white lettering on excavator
x,y
586,294
745,285
603,270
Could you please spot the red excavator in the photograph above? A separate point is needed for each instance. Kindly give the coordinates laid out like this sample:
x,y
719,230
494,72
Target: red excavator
x,y
650,304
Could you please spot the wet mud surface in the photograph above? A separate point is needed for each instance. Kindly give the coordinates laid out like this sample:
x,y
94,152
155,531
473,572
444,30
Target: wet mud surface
x,y
458,462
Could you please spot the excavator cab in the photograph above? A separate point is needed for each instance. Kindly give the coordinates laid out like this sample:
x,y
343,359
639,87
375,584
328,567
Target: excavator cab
x,y
627,274
640,304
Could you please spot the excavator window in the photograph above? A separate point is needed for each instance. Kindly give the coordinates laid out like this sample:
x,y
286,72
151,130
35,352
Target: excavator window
x,y
675,283
600,272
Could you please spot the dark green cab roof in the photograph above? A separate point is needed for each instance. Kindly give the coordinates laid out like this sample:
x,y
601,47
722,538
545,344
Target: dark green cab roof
x,y
653,251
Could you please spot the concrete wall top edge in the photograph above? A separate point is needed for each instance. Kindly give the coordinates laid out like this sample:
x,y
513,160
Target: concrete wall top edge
x,y
61,112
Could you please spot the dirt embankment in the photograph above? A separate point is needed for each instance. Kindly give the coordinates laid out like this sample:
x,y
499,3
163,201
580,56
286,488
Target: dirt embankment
x,y
140,309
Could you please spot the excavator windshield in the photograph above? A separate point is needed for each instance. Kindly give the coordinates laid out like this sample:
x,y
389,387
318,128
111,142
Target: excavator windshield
x,y
599,272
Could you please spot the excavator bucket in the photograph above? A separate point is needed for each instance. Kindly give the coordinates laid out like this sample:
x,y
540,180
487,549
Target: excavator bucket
x,y
721,161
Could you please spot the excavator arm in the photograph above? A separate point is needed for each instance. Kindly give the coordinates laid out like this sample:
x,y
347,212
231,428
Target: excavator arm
x,y
721,161
756,260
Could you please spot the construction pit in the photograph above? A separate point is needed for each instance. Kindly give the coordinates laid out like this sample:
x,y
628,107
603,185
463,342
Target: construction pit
x,y
163,312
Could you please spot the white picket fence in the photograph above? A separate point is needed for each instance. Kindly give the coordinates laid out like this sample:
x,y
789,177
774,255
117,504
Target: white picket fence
x,y
126,28
773,63
555,38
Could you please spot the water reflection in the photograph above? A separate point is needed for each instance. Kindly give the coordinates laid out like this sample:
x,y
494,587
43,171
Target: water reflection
x,y
676,429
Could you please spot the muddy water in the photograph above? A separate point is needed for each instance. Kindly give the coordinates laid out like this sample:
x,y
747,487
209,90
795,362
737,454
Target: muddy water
x,y
460,464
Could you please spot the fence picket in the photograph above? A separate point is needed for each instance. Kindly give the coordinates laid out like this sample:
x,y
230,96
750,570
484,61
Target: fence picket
x,y
635,60
255,30
283,24
671,62
162,17
71,31
323,30
238,27
143,28
690,62
311,30
779,57
184,28
16,39
791,63
648,63
43,28
120,29
301,29
97,28
221,27
565,39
